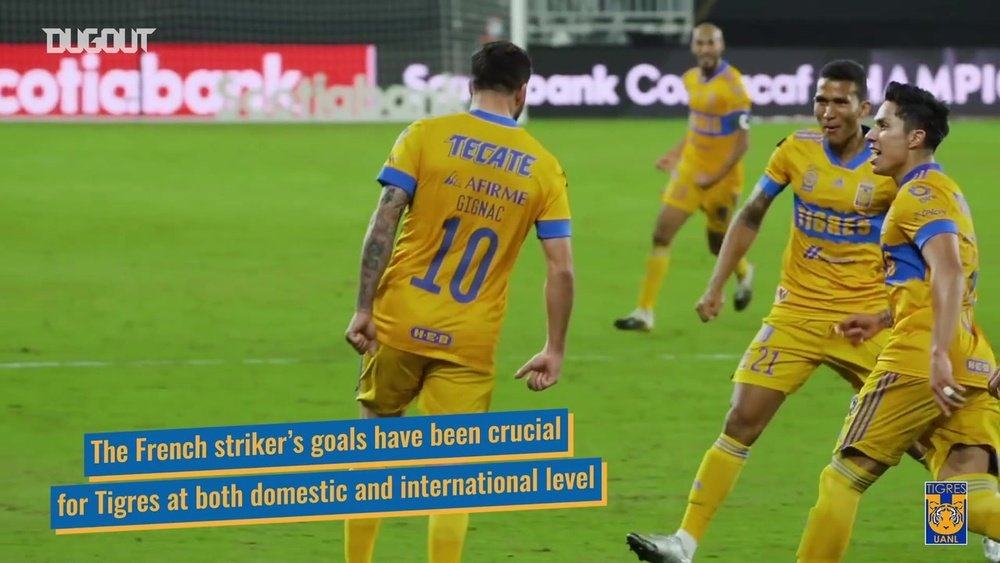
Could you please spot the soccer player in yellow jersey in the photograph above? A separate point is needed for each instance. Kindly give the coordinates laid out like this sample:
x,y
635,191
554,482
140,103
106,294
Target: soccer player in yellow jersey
x,y
831,268
706,170
934,376
428,318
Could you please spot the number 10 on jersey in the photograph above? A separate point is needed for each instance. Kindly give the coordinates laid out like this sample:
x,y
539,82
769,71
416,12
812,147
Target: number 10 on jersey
x,y
468,248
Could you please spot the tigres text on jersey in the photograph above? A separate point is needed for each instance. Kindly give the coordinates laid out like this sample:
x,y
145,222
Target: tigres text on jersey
x,y
479,184
928,204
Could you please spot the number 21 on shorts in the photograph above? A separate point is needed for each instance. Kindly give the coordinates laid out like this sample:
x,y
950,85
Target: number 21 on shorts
x,y
483,235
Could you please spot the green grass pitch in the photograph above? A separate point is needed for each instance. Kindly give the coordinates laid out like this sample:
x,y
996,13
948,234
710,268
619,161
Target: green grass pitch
x,y
180,254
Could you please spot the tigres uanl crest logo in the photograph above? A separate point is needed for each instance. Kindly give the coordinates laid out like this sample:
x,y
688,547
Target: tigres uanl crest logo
x,y
945,518
946,504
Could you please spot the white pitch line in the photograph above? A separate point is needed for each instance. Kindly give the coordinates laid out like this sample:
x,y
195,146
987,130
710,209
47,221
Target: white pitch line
x,y
153,363
291,361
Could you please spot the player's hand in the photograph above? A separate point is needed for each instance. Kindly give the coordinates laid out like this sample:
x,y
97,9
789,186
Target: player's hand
x,y
667,162
994,384
859,328
709,305
361,333
705,181
947,393
542,370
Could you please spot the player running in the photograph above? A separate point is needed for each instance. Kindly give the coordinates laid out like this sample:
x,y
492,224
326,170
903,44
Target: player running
x,y
706,170
934,375
428,320
831,268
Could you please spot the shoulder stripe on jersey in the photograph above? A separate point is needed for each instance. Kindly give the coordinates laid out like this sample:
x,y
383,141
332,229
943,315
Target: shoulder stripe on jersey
x,y
770,186
395,177
932,229
553,228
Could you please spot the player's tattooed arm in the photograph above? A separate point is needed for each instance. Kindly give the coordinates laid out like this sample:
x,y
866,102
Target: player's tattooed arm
x,y
379,241
753,212
885,317
739,238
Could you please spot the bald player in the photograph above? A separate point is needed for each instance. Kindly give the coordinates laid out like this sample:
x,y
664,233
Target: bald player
x,y
706,170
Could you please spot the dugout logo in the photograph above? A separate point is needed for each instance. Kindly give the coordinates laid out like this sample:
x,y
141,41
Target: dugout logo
x,y
946,508
93,40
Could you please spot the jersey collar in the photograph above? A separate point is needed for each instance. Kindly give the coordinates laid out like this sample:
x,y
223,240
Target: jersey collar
x,y
719,69
494,118
918,170
858,160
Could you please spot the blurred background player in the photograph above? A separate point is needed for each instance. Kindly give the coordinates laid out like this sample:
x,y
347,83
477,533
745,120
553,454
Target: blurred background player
x,y
831,268
427,325
934,375
706,170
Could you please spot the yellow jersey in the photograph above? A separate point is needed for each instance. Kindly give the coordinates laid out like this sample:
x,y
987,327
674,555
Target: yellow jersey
x,y
930,203
832,264
478,185
718,108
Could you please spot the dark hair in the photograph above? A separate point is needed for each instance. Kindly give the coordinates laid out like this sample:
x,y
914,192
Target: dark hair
x,y
846,69
919,109
500,66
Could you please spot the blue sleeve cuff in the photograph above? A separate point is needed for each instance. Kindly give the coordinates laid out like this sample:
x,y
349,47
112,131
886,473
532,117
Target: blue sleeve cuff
x,y
934,228
390,176
556,228
770,186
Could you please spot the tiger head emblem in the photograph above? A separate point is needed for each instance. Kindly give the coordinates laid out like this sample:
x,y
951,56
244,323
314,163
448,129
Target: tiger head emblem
x,y
945,518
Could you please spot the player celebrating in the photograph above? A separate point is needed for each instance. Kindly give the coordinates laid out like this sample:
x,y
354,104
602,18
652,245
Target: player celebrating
x,y
934,375
428,320
706,170
831,266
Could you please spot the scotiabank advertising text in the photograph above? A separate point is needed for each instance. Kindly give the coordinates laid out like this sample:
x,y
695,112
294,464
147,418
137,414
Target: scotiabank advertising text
x,y
632,82
206,81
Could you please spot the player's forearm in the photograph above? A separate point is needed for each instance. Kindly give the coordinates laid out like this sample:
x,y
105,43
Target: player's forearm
x,y
885,319
740,237
378,244
736,154
947,286
559,289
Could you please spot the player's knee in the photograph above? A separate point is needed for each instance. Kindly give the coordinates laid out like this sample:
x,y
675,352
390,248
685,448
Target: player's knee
x,y
965,459
376,409
744,425
661,238
858,459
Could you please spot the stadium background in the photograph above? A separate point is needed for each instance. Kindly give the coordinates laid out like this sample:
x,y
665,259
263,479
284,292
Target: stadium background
x,y
160,276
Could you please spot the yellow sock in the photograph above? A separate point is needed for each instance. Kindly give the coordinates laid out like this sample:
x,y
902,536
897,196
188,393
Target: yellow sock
x,y
831,520
359,539
656,269
446,537
742,268
719,469
983,504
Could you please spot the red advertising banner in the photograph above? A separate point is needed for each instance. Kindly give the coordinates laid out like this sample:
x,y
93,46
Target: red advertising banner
x,y
199,81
